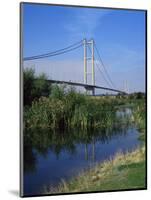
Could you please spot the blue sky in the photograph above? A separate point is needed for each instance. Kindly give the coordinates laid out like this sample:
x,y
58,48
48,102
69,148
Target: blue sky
x,y
118,34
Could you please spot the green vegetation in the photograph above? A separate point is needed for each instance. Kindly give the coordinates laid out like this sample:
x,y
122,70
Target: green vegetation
x,y
49,109
137,95
65,108
34,86
124,171
60,107
139,117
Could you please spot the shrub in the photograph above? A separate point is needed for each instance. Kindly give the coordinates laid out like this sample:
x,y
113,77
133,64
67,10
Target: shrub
x,y
34,86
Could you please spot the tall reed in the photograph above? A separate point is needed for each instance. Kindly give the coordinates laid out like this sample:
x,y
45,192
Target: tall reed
x,y
65,108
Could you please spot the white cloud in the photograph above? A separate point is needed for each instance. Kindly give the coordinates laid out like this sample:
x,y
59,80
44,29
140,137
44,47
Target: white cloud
x,y
84,23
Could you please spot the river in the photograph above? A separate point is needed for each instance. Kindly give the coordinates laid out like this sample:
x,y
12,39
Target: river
x,y
50,157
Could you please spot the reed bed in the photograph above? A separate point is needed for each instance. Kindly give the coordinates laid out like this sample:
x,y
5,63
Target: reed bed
x,y
69,109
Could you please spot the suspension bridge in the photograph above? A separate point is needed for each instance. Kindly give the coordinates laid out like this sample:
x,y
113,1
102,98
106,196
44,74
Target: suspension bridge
x,y
88,45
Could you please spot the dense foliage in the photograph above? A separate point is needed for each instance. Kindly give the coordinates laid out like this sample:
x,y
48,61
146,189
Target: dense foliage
x,y
139,117
65,108
34,86
61,107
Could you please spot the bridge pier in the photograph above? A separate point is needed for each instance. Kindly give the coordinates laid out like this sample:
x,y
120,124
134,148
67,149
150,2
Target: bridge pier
x,y
93,91
90,88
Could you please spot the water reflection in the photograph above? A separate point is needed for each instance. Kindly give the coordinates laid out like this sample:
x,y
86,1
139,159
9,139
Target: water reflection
x,y
40,141
50,156
124,112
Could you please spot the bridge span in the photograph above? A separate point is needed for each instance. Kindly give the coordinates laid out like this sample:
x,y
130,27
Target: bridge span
x,y
88,58
86,86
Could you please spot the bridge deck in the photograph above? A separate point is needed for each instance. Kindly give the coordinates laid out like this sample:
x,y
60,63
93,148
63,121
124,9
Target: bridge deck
x,y
87,86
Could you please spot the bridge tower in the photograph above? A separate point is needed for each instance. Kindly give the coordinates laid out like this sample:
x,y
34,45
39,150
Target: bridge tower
x,y
89,44
126,88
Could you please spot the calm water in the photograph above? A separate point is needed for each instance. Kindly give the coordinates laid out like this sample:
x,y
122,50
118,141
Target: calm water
x,y
50,157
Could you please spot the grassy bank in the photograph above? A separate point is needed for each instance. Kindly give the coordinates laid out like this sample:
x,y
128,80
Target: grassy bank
x,y
124,171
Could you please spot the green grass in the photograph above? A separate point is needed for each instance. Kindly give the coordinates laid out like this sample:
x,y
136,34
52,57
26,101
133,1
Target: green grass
x,y
124,171
142,136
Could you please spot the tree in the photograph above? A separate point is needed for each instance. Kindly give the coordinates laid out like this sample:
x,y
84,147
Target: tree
x,y
34,86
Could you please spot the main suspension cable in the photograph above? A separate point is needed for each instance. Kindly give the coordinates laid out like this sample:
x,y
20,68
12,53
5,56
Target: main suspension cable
x,y
55,53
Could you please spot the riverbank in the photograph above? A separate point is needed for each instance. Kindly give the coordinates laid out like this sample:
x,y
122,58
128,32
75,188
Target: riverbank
x,y
124,171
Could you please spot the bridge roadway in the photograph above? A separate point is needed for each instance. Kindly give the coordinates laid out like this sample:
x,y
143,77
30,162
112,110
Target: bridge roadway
x,y
86,86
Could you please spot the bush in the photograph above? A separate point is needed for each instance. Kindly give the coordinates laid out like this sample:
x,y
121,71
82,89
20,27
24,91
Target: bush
x,y
34,86
69,109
